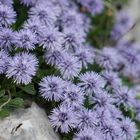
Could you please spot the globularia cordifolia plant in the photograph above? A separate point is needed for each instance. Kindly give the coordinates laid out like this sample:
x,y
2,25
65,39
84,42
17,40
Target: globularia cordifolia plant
x,y
49,53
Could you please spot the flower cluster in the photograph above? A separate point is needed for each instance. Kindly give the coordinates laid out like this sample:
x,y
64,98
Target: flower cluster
x,y
90,103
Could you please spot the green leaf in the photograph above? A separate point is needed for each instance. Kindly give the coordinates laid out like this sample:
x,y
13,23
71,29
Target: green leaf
x,y
30,89
4,113
2,93
14,104
11,106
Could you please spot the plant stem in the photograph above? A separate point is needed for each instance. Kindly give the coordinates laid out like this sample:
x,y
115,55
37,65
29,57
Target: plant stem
x,y
9,99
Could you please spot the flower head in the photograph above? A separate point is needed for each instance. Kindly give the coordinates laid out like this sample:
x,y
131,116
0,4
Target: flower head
x,y
111,77
72,39
101,99
52,39
43,13
128,129
53,58
91,82
71,18
69,67
52,88
7,15
7,38
85,55
22,68
108,58
26,40
124,96
73,96
36,27
63,118
111,130
86,119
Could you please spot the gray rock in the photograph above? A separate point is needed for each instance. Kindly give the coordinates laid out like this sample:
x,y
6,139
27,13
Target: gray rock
x,y
27,124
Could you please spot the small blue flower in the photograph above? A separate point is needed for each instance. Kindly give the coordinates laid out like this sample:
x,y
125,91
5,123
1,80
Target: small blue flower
x,y
52,88
7,15
44,14
52,39
111,77
55,57
63,118
22,68
91,82
101,99
86,119
128,129
108,58
123,95
36,27
7,39
85,55
73,96
72,39
25,39
69,67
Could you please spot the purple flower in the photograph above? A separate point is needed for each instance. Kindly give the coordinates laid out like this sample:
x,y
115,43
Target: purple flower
x,y
71,18
28,2
7,38
54,57
7,15
69,67
111,77
108,58
52,39
72,39
52,88
86,119
101,99
22,68
63,118
115,113
93,6
111,130
88,134
73,96
36,27
101,114
91,82
124,96
128,129
4,59
26,40
6,2
44,14
85,55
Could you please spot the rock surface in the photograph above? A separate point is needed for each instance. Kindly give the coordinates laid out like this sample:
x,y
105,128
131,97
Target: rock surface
x,y
27,124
